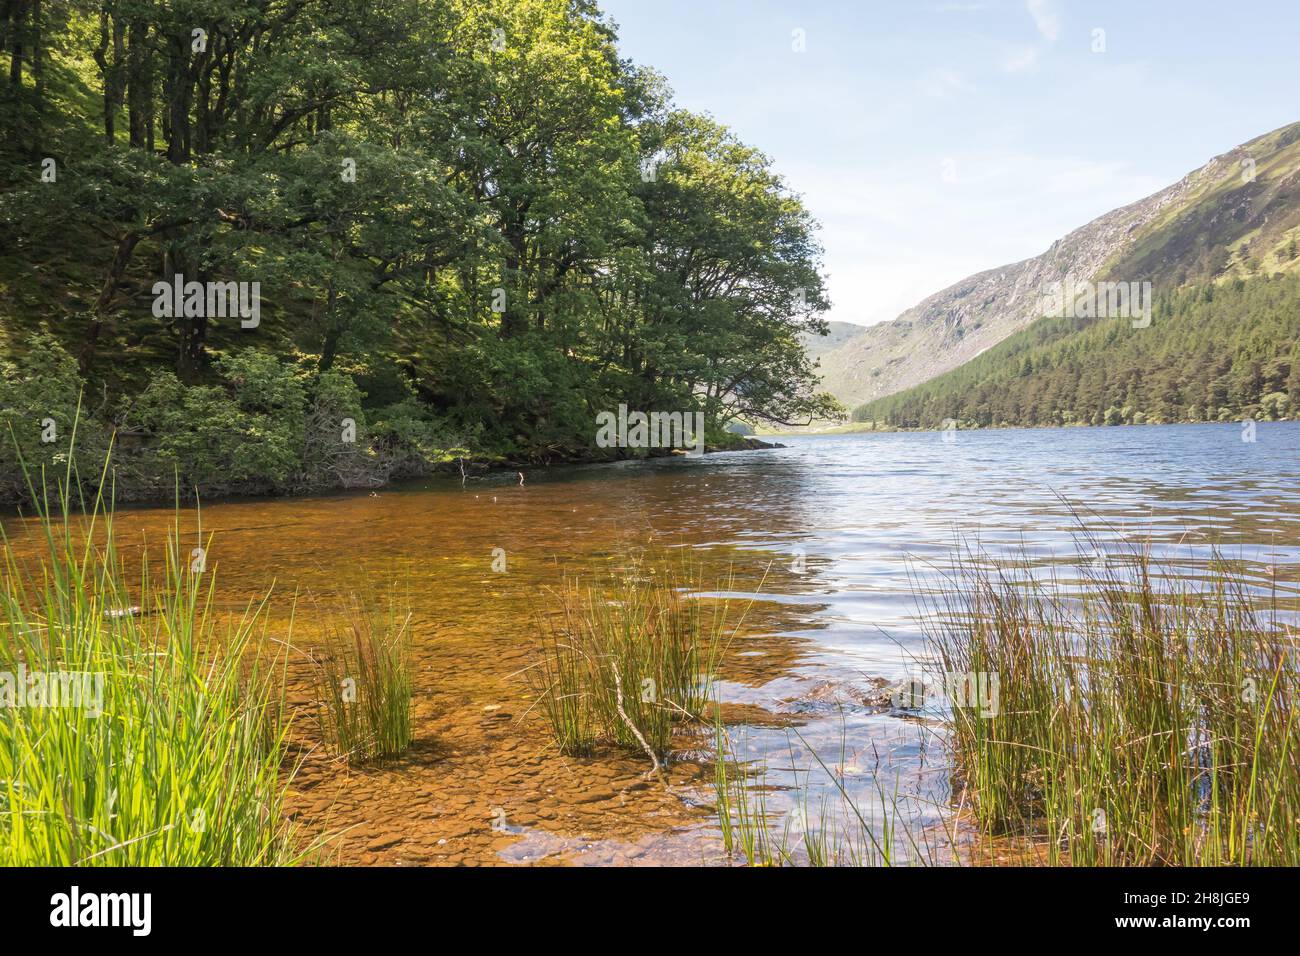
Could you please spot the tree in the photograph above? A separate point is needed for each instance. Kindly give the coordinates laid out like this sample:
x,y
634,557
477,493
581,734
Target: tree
x,y
735,279
475,211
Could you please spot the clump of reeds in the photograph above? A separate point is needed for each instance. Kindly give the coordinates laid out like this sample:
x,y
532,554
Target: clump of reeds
x,y
627,657
161,745
363,680
1145,718
559,679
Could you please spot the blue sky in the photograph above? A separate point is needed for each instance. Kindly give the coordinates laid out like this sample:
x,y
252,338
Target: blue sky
x,y
936,138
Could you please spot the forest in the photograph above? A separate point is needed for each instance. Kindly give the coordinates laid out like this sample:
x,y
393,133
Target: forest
x,y
469,226
1213,352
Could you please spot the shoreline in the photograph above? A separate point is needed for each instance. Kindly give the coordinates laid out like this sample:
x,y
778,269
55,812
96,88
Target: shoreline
x,y
851,428
461,467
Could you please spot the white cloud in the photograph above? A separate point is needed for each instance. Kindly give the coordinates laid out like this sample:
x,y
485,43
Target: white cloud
x,y
1046,18
1022,61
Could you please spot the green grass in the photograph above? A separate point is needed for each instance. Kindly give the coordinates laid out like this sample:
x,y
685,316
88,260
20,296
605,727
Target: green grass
x,y
174,755
628,657
1149,721
363,681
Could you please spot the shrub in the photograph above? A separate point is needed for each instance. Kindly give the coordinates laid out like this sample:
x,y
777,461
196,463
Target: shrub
x,y
39,400
336,449
1274,405
409,440
246,434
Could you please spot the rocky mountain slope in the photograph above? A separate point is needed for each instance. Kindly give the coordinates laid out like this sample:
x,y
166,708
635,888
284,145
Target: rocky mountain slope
x,y
840,332
1234,215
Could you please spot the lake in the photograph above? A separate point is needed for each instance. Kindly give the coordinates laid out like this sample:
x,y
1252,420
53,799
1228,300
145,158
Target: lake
x,y
829,537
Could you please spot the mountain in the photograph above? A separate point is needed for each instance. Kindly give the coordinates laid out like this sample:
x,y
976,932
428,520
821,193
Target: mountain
x,y
840,332
1236,216
1213,352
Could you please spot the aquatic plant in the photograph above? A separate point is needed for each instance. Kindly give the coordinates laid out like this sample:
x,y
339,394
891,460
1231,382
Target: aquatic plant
x,y
558,682
1145,718
741,810
843,832
628,656
136,730
363,680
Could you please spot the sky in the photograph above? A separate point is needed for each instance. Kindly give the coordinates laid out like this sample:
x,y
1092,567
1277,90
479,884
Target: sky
x,y
936,138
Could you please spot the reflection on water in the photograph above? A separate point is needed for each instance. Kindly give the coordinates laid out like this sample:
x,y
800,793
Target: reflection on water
x,y
828,529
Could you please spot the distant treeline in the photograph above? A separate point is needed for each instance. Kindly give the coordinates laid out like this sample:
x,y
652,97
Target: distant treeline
x,y
1211,353
475,215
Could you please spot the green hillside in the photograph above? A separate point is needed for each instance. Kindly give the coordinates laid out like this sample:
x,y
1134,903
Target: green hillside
x,y
1221,255
1213,352
1237,216
1241,217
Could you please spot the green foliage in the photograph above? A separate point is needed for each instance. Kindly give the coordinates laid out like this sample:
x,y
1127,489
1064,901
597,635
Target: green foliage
x,y
250,430
1274,406
477,201
262,426
40,393
1212,353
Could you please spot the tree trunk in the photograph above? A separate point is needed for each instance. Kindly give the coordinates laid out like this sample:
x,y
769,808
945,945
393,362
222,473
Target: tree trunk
x,y
16,48
139,85
100,54
194,333
178,98
126,244
193,330
6,11
333,332
110,30
202,79
514,319
38,58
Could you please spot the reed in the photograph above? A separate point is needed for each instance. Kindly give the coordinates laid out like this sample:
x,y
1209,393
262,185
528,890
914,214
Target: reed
x,y
741,809
627,657
136,729
363,680
1144,718
558,681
